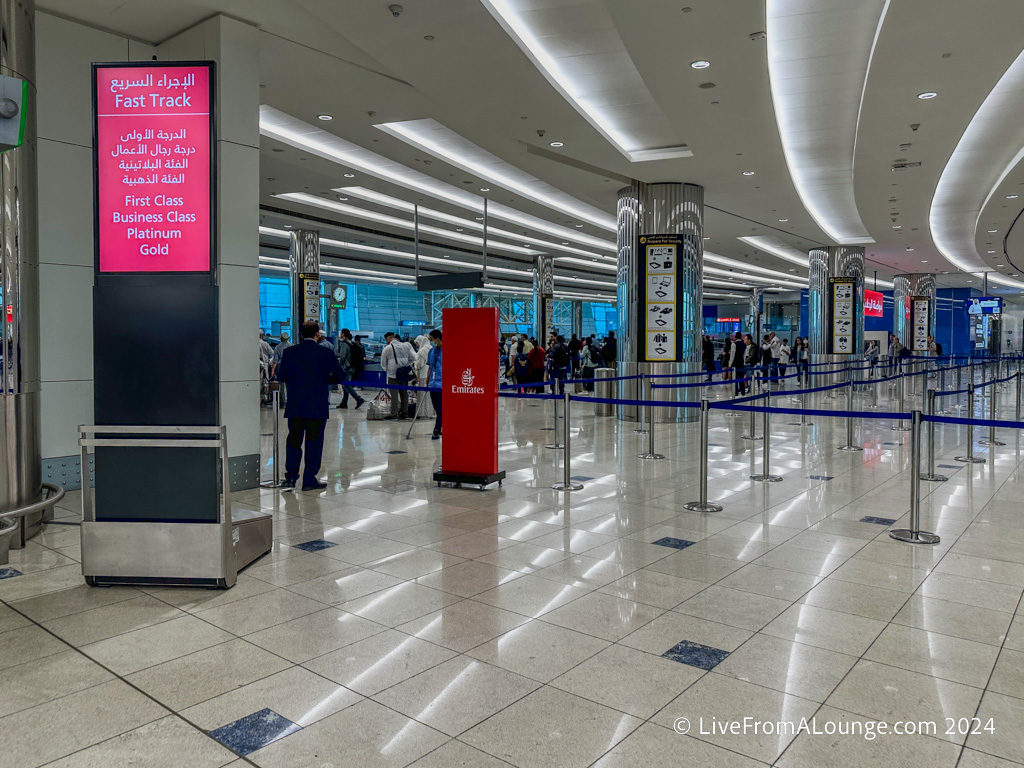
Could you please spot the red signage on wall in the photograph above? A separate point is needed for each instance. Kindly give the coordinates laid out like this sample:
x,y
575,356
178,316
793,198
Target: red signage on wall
x,y
153,167
873,301
469,391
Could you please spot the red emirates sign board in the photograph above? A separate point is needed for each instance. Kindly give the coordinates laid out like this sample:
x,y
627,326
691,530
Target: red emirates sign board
x,y
469,391
153,167
873,302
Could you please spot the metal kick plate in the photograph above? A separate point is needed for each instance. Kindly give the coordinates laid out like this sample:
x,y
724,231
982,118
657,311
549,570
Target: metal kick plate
x,y
155,550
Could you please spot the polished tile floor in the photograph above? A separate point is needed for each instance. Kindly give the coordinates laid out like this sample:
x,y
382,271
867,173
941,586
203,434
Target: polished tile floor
x,y
397,623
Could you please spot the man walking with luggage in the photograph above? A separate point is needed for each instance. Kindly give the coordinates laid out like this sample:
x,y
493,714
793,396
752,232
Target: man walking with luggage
x,y
308,369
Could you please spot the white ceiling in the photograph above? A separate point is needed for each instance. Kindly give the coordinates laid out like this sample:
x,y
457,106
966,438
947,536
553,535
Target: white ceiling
x,y
351,59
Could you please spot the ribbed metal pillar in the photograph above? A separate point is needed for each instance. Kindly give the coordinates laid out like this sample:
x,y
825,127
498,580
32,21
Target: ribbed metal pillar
x,y
823,263
20,462
756,310
304,264
649,209
543,297
903,287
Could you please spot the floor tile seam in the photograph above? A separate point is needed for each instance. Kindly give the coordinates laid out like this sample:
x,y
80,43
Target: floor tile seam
x,y
123,679
55,698
182,615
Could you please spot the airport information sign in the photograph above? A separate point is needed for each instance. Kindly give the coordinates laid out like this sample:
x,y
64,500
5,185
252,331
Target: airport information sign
x,y
153,156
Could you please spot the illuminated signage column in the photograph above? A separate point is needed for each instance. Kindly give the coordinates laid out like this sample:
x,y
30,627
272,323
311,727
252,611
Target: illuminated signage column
x,y
156,350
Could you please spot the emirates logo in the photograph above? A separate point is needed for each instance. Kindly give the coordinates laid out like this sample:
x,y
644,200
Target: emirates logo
x,y
467,377
467,387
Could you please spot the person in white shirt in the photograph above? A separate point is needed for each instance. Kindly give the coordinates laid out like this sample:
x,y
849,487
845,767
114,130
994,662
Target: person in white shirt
x,y
784,354
397,355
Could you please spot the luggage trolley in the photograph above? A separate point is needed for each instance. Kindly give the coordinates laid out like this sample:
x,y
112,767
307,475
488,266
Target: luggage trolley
x,y
160,552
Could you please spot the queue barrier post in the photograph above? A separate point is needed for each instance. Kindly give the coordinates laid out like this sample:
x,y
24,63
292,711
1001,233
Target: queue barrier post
x,y
850,445
970,458
914,534
1016,410
703,505
766,476
651,454
567,484
991,441
555,446
959,378
644,409
752,429
900,387
275,400
930,475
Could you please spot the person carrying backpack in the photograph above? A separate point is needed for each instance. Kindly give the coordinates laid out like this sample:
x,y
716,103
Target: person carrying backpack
x,y
537,367
589,363
520,365
345,355
560,364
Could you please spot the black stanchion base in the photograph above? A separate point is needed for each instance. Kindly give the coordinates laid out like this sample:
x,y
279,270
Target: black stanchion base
x,y
914,537
990,442
766,478
462,479
851,448
751,437
570,487
555,446
933,478
969,459
651,456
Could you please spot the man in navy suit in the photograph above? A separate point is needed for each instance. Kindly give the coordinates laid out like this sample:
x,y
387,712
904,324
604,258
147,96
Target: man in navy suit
x,y
308,369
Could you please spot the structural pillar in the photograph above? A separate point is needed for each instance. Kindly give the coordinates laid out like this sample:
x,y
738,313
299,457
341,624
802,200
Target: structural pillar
x,y
833,336
20,462
905,287
304,271
756,310
577,319
661,251
543,296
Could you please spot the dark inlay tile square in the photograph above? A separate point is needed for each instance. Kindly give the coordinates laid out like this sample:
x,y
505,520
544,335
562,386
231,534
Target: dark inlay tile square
x,y
951,466
254,731
315,545
581,478
394,452
824,478
878,520
696,655
9,573
890,443
668,541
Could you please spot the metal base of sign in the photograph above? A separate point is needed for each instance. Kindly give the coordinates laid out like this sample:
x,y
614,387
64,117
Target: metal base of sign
x,y
969,459
569,487
555,446
461,479
990,442
766,478
651,456
696,506
933,478
851,448
914,537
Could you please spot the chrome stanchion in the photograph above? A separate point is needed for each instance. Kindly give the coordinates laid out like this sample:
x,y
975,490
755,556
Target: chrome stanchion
x,y
555,445
275,397
802,402
914,534
567,484
752,429
650,437
970,458
766,476
991,415
942,388
959,379
703,505
900,386
1016,411
644,410
930,474
850,446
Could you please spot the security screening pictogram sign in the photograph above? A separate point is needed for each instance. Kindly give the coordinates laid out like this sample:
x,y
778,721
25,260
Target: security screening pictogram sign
x,y
843,311
660,302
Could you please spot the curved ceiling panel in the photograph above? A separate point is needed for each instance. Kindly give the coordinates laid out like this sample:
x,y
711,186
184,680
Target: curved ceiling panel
x,y
819,54
578,49
990,149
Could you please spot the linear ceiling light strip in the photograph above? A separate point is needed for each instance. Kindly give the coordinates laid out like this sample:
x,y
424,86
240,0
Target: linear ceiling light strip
x,y
819,56
990,148
591,69
445,144
296,133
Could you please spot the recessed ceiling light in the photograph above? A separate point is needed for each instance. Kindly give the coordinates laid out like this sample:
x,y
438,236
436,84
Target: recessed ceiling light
x,y
287,226
485,189
429,39
479,218
350,175
970,281
700,64
1012,197
783,220
924,261
325,117
343,199
927,95
556,144
909,249
897,226
445,255
1000,265
992,231
991,251
579,226
458,229
748,173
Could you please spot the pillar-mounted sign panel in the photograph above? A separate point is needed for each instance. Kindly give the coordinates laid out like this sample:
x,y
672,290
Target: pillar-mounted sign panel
x,y
920,322
153,155
843,311
661,299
